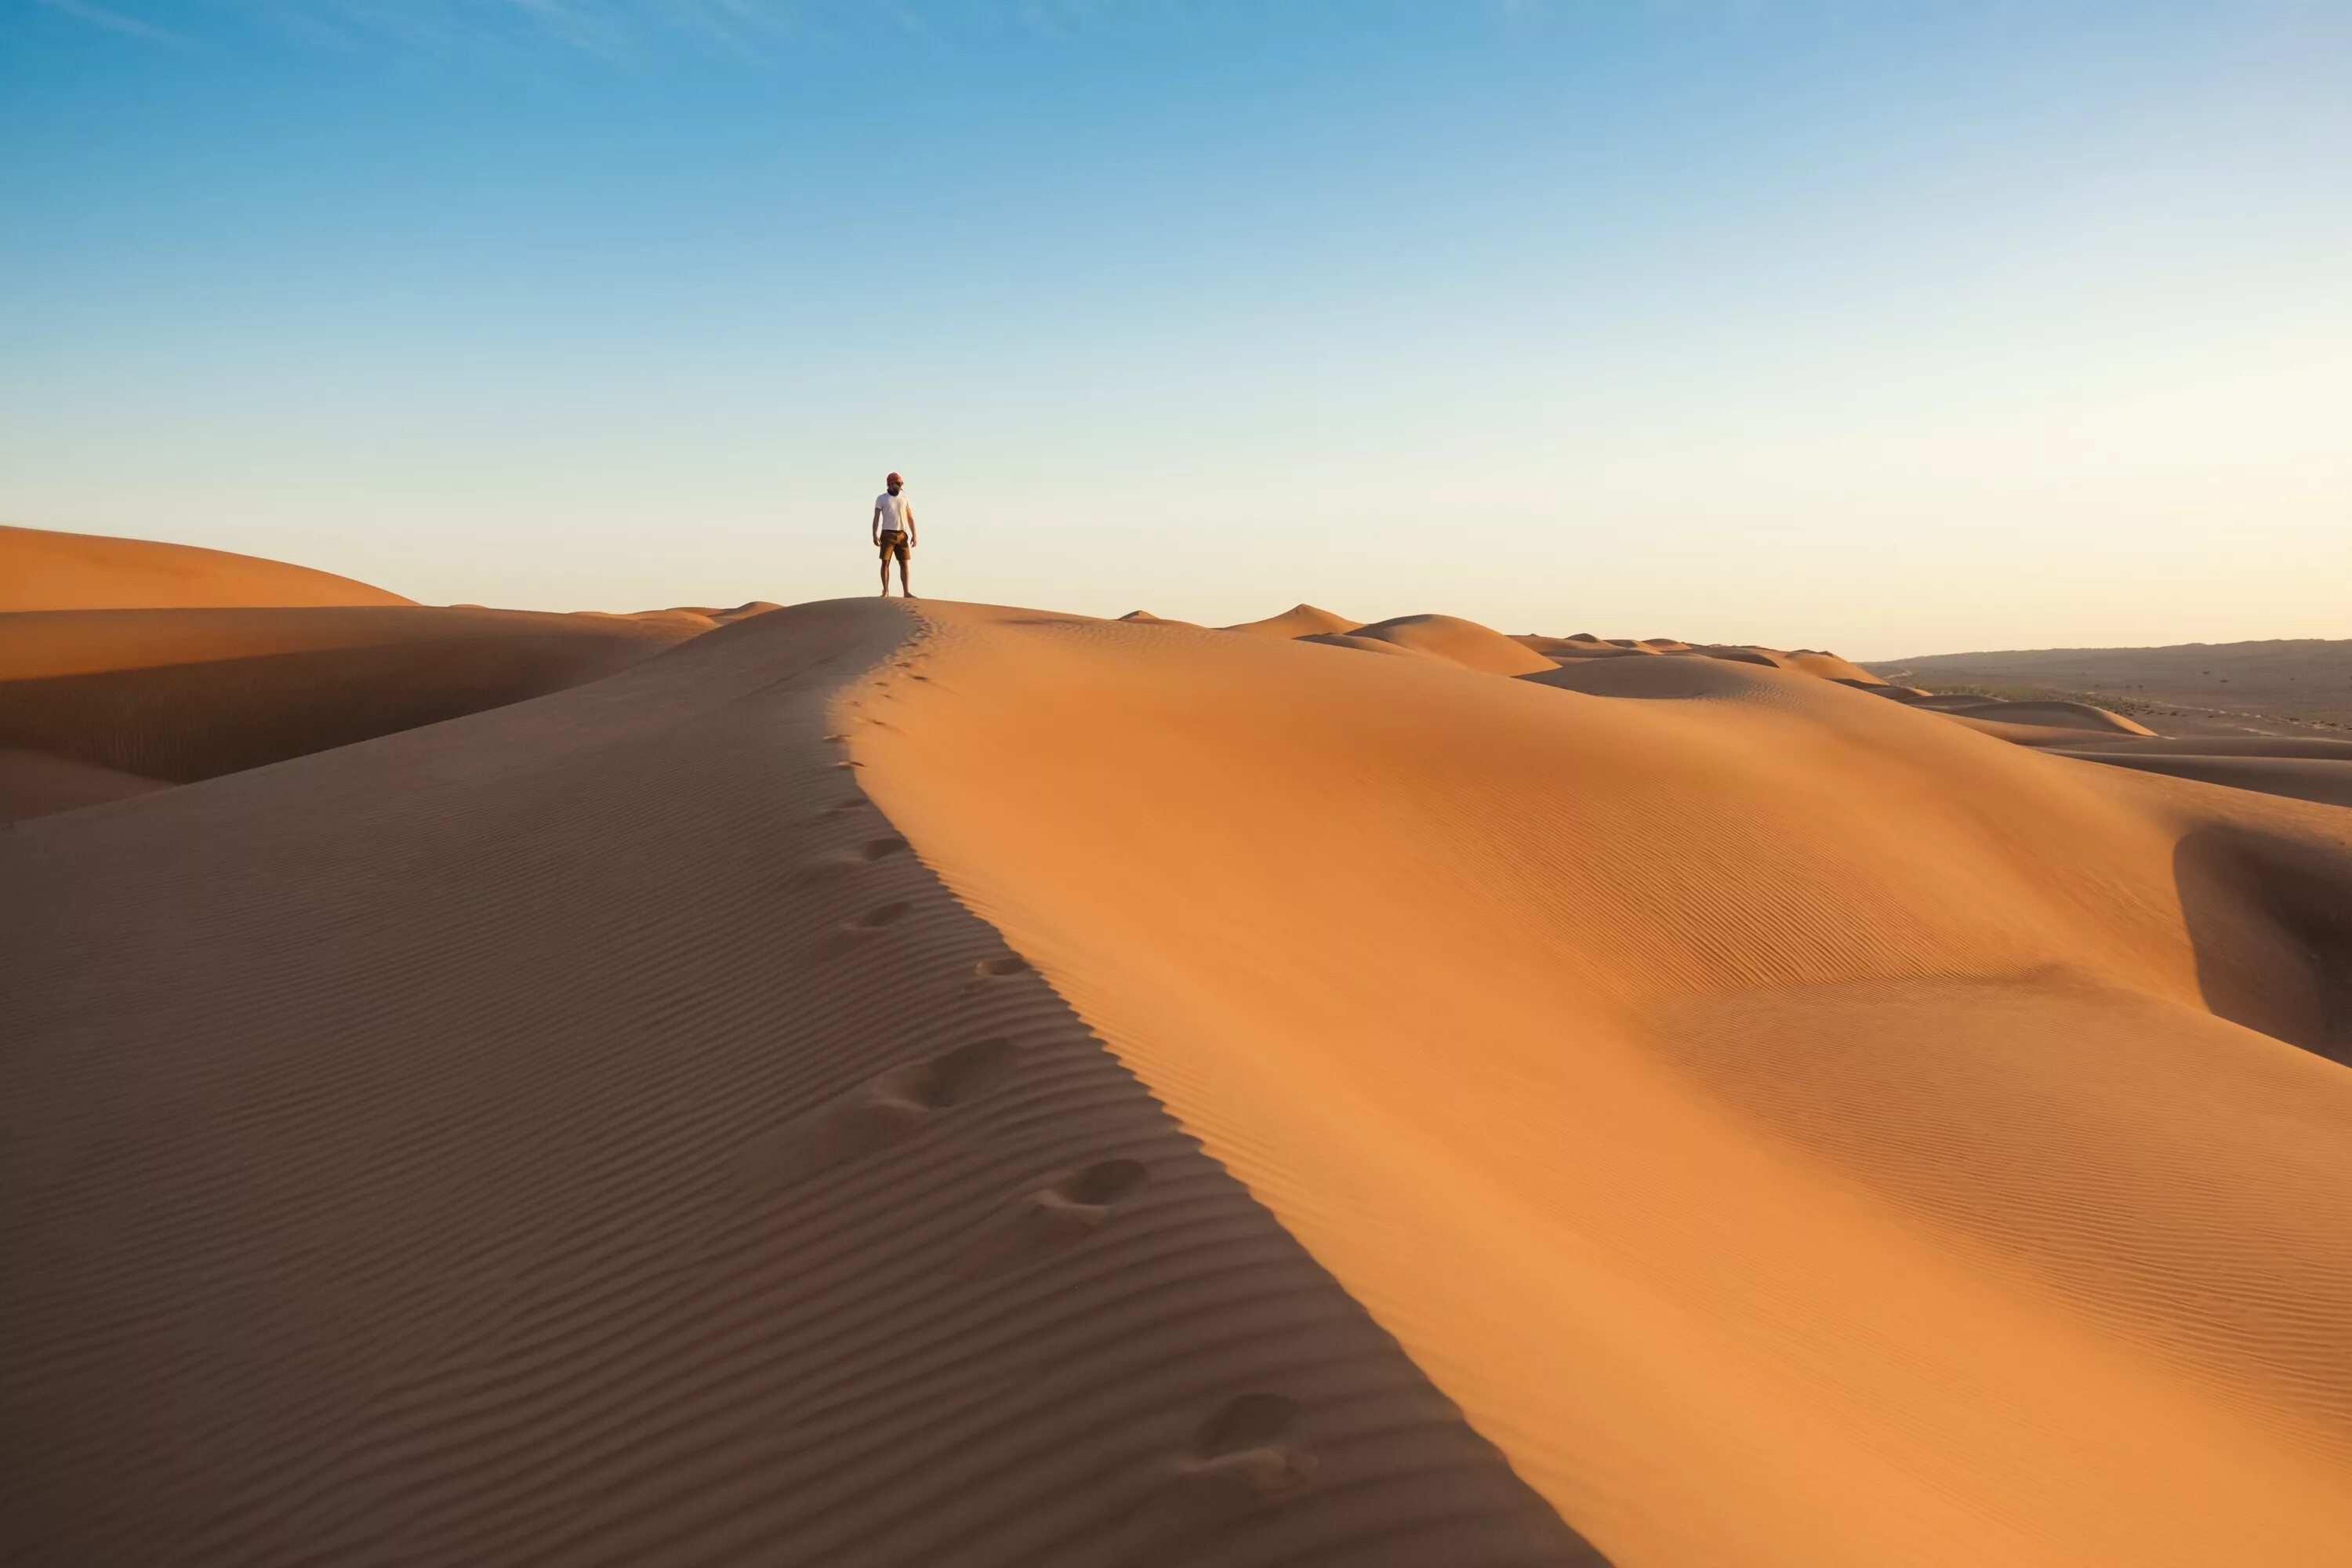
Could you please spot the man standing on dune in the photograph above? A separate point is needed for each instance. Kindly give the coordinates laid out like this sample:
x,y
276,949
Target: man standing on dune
x,y
894,532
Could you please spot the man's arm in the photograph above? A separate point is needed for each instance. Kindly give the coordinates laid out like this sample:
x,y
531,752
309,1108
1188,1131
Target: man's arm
x,y
874,532
911,525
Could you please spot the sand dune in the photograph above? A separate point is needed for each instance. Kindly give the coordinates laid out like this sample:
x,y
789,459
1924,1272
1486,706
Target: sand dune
x,y
1365,645
2031,734
1795,1129
744,1108
1830,666
1457,641
1597,651
180,695
1298,621
41,570
2053,715
582,1132
2313,768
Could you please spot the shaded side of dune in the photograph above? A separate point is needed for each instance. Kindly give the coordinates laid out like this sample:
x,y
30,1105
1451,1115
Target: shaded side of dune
x,y
217,691
2271,920
32,784
2325,780
585,1132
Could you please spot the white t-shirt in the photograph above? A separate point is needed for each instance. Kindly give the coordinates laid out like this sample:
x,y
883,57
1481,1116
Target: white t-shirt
x,y
894,511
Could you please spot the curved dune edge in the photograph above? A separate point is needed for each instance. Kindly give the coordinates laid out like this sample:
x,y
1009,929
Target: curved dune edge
x,y
176,696
41,569
583,1131
1628,1058
34,783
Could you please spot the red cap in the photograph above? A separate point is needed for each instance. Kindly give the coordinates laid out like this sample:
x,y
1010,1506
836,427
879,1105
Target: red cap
x,y
894,479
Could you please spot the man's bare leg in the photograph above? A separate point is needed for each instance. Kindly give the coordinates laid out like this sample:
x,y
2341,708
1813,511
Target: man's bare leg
x,y
885,576
904,591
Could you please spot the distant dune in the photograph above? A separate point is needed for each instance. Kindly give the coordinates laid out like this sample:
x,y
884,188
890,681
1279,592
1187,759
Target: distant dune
x,y
174,696
96,704
896,1084
40,569
2308,766
1299,620
1457,641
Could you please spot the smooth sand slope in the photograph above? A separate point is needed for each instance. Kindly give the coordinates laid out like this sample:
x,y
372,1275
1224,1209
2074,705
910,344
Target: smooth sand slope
x,y
585,1133
1797,1129
42,570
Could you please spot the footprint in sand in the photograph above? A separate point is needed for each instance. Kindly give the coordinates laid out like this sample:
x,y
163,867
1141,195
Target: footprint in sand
x,y
1247,1449
996,968
1055,1218
864,853
1246,1456
890,1109
874,919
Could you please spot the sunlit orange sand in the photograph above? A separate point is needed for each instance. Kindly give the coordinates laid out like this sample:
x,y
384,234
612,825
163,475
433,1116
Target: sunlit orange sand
x,y
952,1085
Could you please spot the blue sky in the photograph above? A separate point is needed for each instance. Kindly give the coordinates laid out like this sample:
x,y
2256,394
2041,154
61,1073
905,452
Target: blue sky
x,y
1887,327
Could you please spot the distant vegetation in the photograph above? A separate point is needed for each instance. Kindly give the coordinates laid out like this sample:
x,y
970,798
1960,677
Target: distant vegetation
x,y
2300,684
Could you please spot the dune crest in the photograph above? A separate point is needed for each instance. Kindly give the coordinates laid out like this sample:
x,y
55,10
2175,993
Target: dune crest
x,y
1449,637
43,570
1298,621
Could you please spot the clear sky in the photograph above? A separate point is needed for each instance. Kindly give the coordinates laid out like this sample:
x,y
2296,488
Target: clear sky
x,y
1890,327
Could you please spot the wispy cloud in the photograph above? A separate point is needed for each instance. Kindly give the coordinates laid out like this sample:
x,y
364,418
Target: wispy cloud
x,y
113,21
596,30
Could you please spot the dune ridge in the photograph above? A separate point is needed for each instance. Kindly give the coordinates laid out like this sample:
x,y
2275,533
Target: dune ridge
x,y
41,569
587,1130
1795,1129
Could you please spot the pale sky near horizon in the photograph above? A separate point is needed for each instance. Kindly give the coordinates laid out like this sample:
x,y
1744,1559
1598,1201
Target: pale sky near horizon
x,y
1894,329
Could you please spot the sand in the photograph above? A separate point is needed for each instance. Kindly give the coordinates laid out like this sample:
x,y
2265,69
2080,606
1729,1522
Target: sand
x,y
2300,767
41,570
1456,641
1795,1129
34,783
174,696
873,1084
585,1131
1299,620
